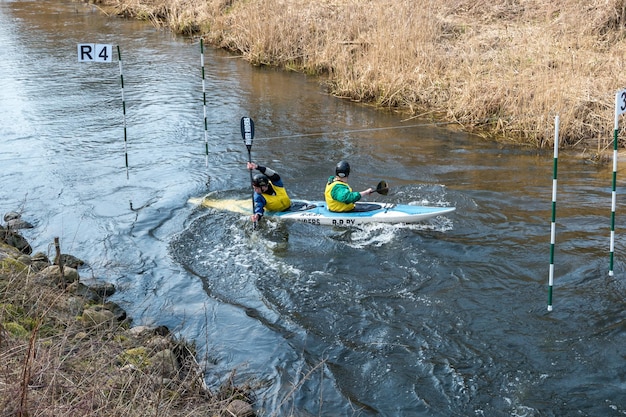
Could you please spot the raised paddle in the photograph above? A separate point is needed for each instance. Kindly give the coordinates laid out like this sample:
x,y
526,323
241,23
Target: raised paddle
x,y
247,133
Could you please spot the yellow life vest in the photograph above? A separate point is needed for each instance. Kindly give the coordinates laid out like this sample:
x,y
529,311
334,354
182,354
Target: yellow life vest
x,y
331,203
278,202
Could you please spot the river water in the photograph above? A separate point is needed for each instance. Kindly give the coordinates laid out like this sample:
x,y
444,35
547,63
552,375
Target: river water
x,y
444,318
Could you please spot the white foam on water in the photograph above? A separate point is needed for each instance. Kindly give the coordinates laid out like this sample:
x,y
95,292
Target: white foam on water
x,y
379,234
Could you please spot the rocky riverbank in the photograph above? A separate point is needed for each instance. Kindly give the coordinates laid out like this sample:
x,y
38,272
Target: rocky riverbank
x,y
67,350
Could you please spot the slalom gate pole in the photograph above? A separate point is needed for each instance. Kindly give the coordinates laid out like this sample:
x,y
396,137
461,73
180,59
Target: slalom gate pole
x,y
613,202
206,139
119,58
553,223
620,107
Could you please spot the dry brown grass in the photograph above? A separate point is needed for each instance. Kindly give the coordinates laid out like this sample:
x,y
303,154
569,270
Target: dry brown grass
x,y
501,67
54,364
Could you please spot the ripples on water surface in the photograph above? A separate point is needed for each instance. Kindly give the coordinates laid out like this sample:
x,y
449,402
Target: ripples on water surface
x,y
446,318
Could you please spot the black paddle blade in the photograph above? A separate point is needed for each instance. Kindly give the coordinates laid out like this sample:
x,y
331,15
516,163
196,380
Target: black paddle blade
x,y
382,188
247,131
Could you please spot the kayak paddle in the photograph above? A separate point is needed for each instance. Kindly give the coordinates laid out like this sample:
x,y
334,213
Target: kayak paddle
x,y
382,188
247,133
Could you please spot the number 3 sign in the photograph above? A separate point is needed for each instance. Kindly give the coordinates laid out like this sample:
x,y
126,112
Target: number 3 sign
x,y
93,52
620,102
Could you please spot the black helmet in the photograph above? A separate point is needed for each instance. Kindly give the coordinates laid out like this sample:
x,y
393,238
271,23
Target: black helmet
x,y
260,180
342,169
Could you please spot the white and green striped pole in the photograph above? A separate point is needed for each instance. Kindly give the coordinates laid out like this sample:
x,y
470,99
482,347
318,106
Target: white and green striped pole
x,y
206,138
553,224
620,107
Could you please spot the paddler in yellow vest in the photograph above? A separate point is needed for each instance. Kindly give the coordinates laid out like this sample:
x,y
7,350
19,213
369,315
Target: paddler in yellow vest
x,y
338,194
269,191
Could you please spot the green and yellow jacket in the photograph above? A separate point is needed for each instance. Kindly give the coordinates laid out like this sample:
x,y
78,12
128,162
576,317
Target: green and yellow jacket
x,y
339,196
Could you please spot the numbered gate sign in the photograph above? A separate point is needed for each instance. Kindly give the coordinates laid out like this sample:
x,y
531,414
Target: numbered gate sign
x,y
620,102
95,52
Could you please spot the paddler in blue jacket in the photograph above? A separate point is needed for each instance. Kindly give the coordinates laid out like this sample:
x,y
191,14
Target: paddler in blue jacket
x,y
338,194
269,191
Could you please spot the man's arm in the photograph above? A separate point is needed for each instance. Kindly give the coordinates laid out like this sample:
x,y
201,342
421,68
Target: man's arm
x,y
259,204
271,174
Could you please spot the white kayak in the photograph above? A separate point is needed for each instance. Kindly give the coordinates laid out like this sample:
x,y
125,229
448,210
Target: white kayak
x,y
315,212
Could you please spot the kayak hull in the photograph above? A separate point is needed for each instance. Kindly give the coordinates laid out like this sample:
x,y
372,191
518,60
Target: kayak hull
x,y
316,212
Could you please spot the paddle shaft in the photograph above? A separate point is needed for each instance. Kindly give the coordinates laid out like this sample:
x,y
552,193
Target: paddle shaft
x,y
250,171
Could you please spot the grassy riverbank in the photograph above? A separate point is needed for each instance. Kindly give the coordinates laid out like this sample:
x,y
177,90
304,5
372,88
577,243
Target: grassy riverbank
x,y
65,350
501,68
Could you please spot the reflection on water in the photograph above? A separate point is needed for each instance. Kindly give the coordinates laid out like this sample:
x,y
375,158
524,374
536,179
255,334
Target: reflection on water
x,y
437,319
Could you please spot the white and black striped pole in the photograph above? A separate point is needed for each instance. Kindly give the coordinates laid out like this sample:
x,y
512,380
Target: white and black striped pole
x,y
94,52
119,58
553,223
206,138
620,107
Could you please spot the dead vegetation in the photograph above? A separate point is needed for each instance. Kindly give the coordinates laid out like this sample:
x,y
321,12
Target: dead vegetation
x,y
501,68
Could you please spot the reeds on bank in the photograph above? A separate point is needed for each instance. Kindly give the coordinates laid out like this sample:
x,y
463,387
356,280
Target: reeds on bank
x,y
503,68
